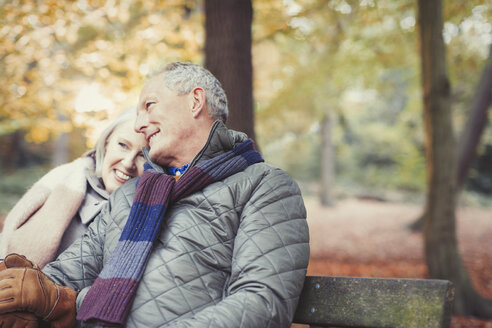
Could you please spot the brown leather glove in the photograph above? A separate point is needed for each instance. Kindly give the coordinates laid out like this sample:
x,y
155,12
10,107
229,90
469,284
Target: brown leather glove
x,y
14,260
17,319
29,289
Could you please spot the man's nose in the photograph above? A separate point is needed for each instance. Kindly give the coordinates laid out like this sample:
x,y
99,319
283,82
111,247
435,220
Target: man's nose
x,y
141,122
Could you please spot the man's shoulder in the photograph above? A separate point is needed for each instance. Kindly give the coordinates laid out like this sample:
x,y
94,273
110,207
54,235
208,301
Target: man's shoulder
x,y
264,176
268,171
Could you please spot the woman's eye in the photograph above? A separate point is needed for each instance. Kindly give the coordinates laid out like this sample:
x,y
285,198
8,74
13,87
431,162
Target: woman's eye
x,y
122,145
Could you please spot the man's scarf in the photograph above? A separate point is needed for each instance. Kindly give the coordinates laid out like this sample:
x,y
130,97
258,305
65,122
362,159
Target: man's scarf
x,y
110,298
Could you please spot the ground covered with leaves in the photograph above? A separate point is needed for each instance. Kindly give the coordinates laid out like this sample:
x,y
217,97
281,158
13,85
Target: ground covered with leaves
x,y
371,239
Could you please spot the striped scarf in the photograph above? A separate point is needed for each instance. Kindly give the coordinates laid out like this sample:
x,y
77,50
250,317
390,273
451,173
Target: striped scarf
x,y
110,298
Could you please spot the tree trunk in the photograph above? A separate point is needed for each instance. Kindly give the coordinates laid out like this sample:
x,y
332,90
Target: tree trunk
x,y
228,57
472,132
476,123
441,248
327,161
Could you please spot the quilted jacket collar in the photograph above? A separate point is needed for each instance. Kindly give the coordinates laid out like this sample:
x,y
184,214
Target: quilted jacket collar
x,y
220,140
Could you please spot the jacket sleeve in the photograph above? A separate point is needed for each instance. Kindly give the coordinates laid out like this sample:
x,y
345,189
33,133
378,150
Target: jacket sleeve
x,y
79,265
270,258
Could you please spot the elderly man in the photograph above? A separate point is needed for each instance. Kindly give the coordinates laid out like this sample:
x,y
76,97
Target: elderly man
x,y
209,236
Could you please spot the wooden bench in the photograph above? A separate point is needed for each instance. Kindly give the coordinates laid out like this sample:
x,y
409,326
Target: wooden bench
x,y
375,303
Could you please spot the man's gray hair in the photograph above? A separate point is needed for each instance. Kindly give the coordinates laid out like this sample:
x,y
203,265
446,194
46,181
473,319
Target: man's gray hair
x,y
102,141
183,77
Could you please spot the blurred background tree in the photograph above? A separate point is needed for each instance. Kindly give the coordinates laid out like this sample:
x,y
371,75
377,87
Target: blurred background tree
x,y
228,56
360,59
68,66
441,247
71,64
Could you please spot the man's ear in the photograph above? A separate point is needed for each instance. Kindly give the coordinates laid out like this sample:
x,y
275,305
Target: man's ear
x,y
197,101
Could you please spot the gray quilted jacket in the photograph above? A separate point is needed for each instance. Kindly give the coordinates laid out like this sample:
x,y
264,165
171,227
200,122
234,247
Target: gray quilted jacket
x,y
232,255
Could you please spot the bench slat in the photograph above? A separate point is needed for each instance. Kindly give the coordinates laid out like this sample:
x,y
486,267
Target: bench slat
x,y
375,302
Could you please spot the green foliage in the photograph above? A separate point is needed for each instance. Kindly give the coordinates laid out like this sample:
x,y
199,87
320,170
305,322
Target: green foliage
x,y
359,60
50,51
356,59
298,155
14,184
410,168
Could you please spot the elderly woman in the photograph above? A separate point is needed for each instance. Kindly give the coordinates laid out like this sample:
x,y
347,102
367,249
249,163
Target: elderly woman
x,y
58,208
